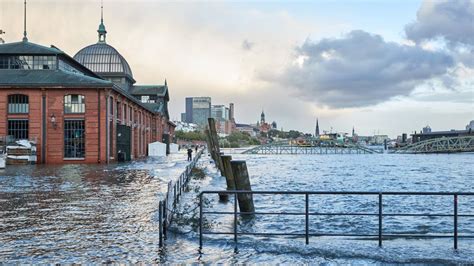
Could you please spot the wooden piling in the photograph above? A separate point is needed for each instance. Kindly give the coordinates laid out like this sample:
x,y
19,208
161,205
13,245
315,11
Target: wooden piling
x,y
209,143
214,140
229,177
242,182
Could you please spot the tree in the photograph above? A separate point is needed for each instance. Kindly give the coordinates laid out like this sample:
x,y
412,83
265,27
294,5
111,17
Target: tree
x,y
190,136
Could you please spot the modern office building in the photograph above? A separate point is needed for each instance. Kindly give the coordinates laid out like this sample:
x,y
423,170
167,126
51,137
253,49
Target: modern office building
x,y
85,109
220,112
198,110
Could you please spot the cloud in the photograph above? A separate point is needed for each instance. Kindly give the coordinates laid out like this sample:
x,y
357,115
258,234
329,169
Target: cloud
x,y
452,20
360,69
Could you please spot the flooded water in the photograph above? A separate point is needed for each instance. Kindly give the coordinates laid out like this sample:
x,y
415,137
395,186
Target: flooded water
x,y
78,213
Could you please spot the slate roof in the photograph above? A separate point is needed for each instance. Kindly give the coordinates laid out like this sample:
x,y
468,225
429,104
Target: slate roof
x,y
18,78
159,90
48,78
28,48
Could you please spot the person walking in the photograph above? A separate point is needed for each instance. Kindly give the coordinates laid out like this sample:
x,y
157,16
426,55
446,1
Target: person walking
x,y
190,154
196,149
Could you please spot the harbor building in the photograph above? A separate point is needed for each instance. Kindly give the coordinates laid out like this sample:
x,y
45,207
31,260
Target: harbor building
x,y
85,109
429,134
224,118
198,110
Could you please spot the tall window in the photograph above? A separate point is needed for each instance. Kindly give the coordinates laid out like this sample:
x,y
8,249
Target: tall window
x,y
18,104
74,139
74,104
124,112
111,107
18,128
118,112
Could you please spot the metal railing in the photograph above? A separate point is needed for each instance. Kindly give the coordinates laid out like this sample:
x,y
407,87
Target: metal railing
x,y
380,236
167,206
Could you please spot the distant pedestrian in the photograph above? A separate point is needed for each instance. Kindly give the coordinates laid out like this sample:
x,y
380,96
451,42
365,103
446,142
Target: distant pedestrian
x,y
190,154
196,149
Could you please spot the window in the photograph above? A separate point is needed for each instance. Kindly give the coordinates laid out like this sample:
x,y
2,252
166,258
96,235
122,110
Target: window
x,y
145,98
124,112
74,139
18,104
28,62
118,111
44,62
3,62
18,128
74,104
111,108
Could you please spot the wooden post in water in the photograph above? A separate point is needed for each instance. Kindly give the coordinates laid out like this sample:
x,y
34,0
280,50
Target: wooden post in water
x,y
215,144
242,182
209,143
229,177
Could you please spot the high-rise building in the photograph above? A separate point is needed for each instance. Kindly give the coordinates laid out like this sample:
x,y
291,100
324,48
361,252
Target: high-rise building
x,y
198,110
231,111
220,112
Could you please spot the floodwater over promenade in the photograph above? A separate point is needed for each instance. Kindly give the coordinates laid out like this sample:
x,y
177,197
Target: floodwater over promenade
x,y
109,213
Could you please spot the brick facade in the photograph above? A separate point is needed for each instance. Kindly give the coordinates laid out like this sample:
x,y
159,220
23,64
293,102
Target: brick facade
x,y
100,121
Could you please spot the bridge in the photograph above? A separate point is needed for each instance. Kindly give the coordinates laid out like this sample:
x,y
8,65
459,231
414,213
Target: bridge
x,y
441,145
285,148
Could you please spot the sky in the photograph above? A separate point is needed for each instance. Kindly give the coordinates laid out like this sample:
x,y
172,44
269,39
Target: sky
x,y
382,67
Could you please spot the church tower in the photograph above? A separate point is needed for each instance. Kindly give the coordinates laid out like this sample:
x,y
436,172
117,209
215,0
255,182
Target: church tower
x,y
262,118
316,133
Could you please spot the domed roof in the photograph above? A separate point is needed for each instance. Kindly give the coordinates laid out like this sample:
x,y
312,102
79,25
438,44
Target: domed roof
x,y
102,58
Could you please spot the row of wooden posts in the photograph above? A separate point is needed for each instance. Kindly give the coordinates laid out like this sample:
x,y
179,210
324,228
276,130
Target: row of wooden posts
x,y
234,171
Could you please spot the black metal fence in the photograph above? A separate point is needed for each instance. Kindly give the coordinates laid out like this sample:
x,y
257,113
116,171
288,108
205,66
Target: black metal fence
x,y
167,206
380,236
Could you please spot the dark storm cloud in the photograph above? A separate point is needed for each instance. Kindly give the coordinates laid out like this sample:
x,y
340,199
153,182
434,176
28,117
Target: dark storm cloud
x,y
452,20
361,69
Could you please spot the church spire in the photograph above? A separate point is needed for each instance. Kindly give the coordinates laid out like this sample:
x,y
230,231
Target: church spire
x,y
102,32
25,39
316,133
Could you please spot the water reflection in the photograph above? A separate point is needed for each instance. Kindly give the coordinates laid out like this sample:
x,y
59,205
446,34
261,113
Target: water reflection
x,y
74,213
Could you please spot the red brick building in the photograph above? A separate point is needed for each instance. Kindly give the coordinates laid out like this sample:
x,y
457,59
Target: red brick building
x,y
85,109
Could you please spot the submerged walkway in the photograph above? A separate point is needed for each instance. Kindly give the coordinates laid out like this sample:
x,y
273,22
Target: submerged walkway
x,y
84,213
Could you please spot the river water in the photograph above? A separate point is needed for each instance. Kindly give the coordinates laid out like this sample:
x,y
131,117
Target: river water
x,y
80,213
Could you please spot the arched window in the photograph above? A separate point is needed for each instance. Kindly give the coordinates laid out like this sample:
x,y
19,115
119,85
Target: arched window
x,y
18,104
74,104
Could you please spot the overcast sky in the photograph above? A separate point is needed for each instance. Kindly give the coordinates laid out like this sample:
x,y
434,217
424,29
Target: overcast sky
x,y
383,67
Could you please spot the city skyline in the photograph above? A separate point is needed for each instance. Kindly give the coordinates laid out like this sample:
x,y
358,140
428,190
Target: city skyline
x,y
294,60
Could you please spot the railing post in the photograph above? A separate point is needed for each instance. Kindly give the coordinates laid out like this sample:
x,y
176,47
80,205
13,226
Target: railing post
x,y
200,221
160,220
456,221
380,219
307,217
235,219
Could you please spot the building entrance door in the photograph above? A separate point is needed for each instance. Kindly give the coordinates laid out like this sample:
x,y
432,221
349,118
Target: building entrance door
x,y
124,139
